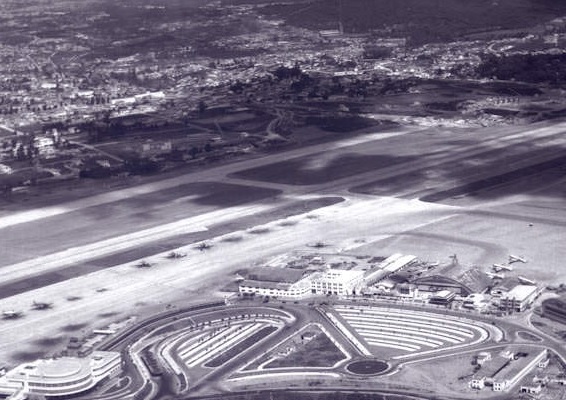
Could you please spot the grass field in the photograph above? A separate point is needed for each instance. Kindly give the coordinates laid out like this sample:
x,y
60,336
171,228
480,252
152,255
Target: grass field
x,y
315,169
317,351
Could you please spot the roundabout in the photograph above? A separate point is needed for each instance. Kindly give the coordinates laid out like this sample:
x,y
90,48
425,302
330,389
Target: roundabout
x,y
367,367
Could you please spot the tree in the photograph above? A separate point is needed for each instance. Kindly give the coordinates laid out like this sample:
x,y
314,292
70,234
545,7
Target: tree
x,y
193,152
20,153
202,106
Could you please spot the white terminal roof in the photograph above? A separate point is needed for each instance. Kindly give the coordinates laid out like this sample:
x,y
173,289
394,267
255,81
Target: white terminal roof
x,y
338,276
53,369
443,294
389,266
521,292
61,369
396,262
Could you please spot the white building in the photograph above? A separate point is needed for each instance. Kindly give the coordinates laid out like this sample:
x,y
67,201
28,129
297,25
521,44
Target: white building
x,y
504,371
61,376
294,283
519,298
389,266
483,357
291,283
476,301
336,281
276,282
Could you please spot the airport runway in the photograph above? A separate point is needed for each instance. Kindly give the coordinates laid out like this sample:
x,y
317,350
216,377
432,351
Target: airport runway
x,y
361,220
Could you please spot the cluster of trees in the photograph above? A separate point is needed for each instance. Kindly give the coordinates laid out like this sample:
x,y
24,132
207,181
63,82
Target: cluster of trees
x,y
282,73
347,123
532,68
133,166
374,52
420,21
138,165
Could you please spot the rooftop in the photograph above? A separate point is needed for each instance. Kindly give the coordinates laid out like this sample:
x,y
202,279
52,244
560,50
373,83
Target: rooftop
x,y
500,367
64,368
265,284
521,292
55,368
475,279
443,294
339,275
492,367
558,303
508,283
516,366
275,274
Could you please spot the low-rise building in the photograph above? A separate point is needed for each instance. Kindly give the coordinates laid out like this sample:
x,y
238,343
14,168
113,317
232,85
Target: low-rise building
x,y
436,283
387,267
407,290
531,389
442,297
505,286
476,301
477,383
519,298
276,282
292,283
483,357
506,369
63,376
336,281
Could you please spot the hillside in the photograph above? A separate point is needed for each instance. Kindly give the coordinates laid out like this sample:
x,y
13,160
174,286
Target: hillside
x,y
421,21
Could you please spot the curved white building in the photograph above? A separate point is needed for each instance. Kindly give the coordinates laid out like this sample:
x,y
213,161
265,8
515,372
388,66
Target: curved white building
x,y
61,376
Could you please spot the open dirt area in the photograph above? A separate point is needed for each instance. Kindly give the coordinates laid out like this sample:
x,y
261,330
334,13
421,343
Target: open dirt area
x,y
274,215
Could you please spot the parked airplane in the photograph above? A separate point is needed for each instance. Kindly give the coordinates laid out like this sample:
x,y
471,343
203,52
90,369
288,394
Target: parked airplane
x,y
317,245
175,254
143,264
11,314
204,246
502,267
37,305
526,281
495,275
513,259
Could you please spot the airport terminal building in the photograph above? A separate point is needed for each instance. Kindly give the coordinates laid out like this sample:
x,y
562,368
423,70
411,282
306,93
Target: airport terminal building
x,y
277,282
519,298
293,283
58,377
